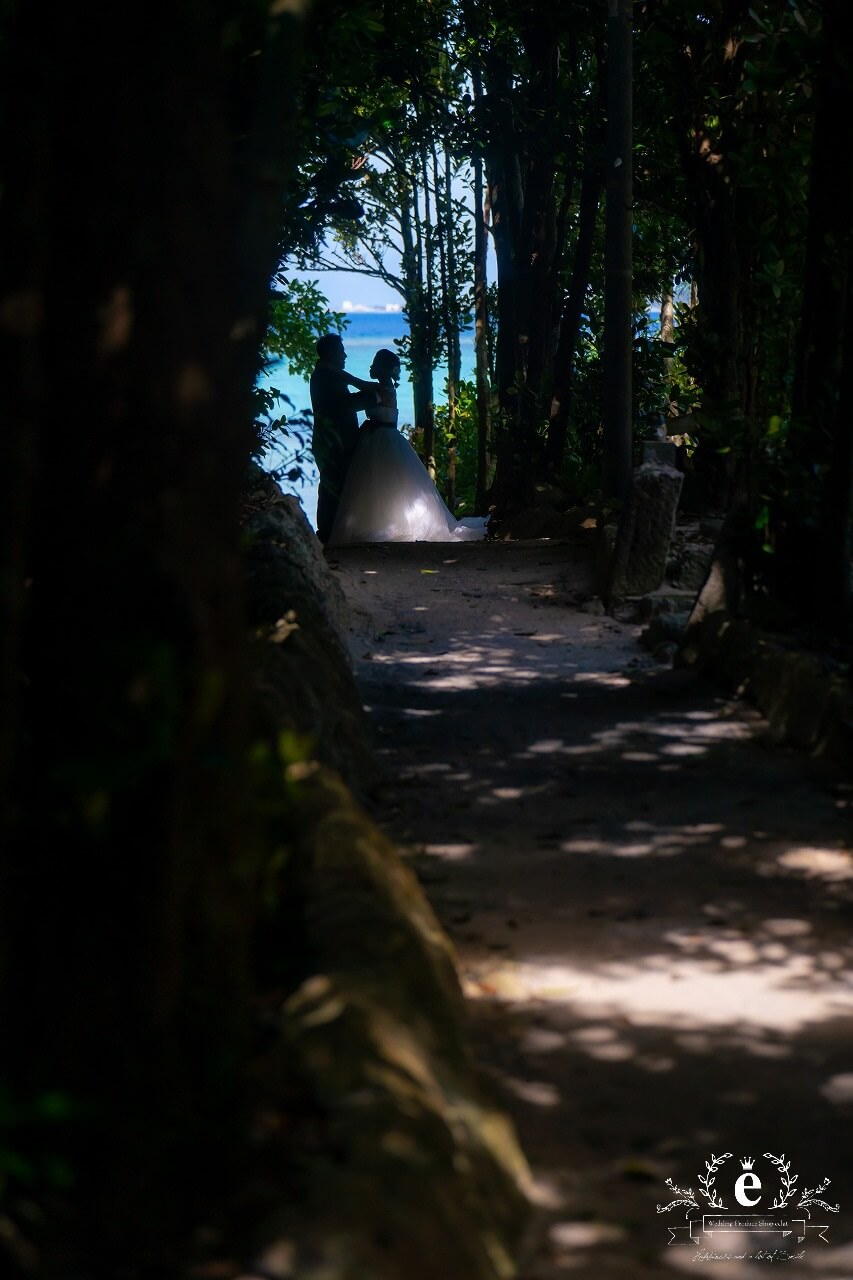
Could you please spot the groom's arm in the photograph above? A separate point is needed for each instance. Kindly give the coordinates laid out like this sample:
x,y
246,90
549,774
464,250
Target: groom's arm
x,y
371,388
368,395
368,399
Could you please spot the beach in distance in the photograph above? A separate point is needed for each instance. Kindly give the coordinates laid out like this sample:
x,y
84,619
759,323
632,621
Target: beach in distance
x,y
365,333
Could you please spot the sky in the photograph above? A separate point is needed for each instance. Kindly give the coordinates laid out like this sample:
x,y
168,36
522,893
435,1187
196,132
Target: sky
x,y
349,291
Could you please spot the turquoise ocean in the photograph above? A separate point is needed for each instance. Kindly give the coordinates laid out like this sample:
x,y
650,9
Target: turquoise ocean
x,y
365,333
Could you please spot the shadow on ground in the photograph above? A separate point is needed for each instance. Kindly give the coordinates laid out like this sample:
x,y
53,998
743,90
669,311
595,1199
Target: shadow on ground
x,y
650,901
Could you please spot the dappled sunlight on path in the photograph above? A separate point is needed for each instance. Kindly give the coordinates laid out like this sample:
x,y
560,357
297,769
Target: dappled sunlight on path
x,y
651,904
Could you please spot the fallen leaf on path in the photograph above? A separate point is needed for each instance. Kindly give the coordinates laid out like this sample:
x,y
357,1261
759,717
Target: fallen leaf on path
x,y
503,984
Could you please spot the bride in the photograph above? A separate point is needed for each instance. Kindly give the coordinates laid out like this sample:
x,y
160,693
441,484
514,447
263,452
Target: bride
x,y
388,495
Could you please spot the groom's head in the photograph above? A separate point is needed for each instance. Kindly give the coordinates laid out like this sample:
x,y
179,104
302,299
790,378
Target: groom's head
x,y
330,349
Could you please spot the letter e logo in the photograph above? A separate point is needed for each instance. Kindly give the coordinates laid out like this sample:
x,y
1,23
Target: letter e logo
x,y
747,1182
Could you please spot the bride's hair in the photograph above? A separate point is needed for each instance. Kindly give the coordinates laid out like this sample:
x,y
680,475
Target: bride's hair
x,y
387,360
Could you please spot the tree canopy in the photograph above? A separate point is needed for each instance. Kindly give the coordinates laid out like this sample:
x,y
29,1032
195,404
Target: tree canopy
x,y
725,99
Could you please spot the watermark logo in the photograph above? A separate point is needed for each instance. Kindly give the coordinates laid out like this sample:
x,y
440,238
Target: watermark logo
x,y
756,1212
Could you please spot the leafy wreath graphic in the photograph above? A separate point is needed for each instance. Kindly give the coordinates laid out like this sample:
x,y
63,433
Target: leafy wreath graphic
x,y
687,1198
809,1196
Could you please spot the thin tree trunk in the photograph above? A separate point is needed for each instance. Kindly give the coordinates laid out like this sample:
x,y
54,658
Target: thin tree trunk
x,y
538,251
413,271
454,353
667,335
512,487
618,294
481,335
667,318
444,234
454,339
428,354
592,186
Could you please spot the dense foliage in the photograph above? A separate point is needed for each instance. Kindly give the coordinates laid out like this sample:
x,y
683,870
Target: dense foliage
x,y
509,104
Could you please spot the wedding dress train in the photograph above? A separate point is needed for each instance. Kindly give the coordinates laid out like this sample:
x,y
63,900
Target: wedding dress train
x,y
388,496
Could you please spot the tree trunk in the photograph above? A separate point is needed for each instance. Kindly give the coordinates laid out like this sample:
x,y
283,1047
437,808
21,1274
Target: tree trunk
x,y
818,550
481,340
449,314
724,249
537,250
667,335
521,179
592,186
420,359
507,463
618,294
426,359
134,309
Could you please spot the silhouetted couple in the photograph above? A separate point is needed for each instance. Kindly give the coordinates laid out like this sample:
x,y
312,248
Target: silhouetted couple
x,y
373,486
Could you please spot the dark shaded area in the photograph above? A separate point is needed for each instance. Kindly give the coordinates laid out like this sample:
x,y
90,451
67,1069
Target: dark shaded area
x,y
142,176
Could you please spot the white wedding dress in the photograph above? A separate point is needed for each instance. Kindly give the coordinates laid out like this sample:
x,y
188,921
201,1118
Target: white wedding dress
x,y
388,495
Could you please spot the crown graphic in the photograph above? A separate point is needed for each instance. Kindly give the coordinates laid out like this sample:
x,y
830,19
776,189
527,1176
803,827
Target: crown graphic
x,y
746,1162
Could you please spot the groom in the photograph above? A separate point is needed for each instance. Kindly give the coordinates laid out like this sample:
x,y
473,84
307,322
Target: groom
x,y
335,426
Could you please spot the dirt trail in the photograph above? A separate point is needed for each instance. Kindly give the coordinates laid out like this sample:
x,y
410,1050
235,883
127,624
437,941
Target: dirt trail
x,y
651,905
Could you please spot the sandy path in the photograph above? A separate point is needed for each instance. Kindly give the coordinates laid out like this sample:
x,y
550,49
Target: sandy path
x,y
651,903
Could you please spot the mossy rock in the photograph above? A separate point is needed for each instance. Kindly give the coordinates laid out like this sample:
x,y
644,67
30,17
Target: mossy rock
x,y
400,1160
303,677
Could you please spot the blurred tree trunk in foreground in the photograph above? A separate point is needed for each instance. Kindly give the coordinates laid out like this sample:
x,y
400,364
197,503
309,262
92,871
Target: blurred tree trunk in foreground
x,y
143,176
